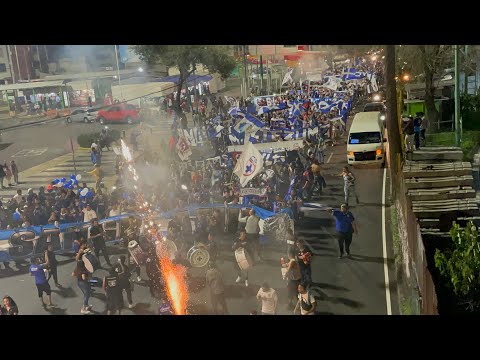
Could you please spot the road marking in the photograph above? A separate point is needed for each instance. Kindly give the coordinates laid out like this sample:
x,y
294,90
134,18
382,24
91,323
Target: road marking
x,y
30,152
330,157
384,238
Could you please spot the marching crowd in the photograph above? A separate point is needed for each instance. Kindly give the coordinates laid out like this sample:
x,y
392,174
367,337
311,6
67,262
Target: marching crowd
x,y
287,185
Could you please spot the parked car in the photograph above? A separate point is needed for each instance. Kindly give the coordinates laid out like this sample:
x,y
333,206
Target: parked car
x,y
119,113
82,114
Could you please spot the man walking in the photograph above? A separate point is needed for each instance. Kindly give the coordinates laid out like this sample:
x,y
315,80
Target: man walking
x,y
14,168
2,176
215,283
252,231
96,236
423,129
345,226
269,299
349,184
241,243
38,271
409,131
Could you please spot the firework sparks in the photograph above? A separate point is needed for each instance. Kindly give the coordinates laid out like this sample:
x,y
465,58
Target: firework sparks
x,y
177,292
126,151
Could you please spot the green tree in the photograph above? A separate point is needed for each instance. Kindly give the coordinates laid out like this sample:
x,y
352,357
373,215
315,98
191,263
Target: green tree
x,y
425,62
215,58
460,266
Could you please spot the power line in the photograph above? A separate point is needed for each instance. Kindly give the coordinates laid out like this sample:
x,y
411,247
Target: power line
x,y
13,127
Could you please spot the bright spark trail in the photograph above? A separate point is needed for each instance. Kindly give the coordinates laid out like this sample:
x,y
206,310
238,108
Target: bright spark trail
x,y
174,275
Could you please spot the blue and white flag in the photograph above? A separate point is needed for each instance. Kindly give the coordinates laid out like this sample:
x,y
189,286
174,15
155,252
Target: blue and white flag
x,y
249,165
266,109
248,123
288,77
297,108
234,111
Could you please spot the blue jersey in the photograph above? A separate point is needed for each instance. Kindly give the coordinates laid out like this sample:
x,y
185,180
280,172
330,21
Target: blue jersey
x,y
37,271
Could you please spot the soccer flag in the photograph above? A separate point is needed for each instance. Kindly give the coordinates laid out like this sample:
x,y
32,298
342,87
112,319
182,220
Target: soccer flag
x,y
288,77
184,148
249,165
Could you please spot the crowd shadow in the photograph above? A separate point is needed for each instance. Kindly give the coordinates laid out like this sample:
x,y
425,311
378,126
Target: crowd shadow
x,y
374,259
143,309
328,286
322,296
65,292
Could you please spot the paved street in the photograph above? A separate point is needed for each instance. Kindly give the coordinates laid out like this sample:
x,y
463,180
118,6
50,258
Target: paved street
x,y
341,286
36,144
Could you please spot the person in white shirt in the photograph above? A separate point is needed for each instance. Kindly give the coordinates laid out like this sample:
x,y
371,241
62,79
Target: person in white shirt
x,y
18,196
252,228
89,214
306,301
269,299
115,211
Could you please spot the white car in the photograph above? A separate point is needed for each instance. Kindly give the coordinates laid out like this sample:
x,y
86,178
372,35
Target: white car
x,y
85,115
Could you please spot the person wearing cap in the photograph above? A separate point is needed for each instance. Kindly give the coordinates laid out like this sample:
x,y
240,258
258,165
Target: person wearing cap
x,y
345,226
214,281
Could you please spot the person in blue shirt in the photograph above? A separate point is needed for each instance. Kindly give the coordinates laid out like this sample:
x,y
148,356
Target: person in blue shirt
x,y
345,226
37,270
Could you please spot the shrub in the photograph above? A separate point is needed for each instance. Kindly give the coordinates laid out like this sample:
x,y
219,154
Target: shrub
x,y
86,140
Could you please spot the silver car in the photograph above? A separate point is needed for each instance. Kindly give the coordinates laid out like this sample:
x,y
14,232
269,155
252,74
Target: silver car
x,y
85,115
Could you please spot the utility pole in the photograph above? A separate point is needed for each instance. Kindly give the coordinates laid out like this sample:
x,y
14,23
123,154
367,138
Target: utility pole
x,y
394,148
261,74
458,120
118,73
12,71
18,63
245,87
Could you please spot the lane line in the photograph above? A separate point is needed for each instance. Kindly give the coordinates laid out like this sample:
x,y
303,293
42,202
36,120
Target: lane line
x,y
384,240
330,157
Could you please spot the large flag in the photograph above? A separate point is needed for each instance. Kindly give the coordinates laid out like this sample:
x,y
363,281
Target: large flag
x,y
288,77
248,123
249,165
184,148
231,100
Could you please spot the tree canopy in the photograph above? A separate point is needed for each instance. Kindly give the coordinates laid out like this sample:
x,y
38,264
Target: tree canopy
x,y
460,266
215,58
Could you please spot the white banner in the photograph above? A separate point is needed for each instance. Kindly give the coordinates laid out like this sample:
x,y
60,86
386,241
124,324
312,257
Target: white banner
x,y
252,191
277,145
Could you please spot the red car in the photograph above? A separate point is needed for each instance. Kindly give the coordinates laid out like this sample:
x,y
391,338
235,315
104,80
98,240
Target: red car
x,y
119,113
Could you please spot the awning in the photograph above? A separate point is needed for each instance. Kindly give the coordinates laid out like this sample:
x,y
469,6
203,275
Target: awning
x,y
136,91
80,84
32,85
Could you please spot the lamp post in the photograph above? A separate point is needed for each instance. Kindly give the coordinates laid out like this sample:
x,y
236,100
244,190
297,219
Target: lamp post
x,y
458,120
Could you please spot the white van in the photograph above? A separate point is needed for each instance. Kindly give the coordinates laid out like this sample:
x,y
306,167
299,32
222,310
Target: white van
x,y
366,140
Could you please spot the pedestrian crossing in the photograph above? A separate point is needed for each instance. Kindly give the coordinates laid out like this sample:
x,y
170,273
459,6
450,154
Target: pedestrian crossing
x,y
63,166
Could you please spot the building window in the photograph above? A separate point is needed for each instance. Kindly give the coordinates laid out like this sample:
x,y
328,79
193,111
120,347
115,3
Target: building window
x,y
3,68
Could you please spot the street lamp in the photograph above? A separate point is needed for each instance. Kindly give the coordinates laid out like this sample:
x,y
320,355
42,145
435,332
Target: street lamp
x,y
140,69
406,77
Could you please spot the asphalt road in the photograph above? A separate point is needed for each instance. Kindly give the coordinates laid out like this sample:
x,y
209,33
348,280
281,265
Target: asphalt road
x,y
342,286
356,285
35,144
